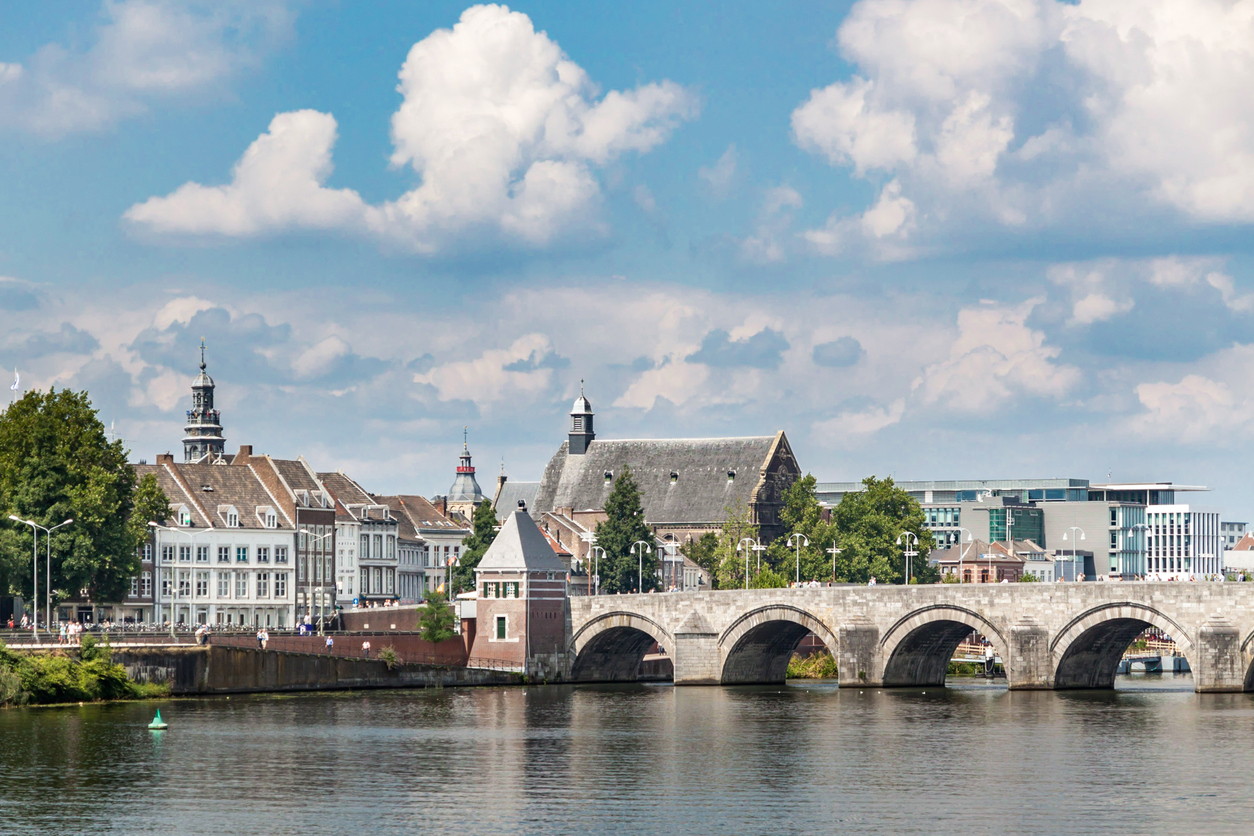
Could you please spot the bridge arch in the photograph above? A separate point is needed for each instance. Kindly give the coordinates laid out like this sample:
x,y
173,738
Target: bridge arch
x,y
916,650
610,647
1086,651
756,647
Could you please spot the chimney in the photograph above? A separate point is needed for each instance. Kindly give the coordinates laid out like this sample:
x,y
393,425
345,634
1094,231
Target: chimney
x,y
165,458
245,453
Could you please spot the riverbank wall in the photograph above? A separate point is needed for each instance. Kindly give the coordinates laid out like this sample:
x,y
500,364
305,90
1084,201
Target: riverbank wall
x,y
235,670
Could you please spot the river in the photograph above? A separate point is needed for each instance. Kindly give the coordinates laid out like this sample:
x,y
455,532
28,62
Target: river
x,y
1149,757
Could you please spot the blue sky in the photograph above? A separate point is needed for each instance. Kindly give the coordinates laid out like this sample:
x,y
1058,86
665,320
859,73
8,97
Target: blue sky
x,y
937,239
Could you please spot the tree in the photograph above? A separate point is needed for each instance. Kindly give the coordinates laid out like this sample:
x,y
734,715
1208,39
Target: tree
x,y
869,522
731,562
703,551
623,527
803,515
483,532
56,464
150,504
436,619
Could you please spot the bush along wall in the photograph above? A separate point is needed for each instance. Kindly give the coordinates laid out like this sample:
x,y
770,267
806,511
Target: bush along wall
x,y
58,677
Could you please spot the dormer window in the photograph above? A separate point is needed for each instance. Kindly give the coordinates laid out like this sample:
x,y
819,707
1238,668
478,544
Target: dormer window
x,y
184,516
268,517
229,515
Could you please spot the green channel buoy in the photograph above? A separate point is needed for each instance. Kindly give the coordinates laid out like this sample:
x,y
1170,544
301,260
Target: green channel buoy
x,y
157,723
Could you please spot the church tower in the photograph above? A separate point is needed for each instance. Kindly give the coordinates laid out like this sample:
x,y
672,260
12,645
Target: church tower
x,y
202,440
581,434
465,494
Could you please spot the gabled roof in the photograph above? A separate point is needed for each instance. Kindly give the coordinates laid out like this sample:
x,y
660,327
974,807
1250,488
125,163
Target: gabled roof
x,y
979,550
680,480
420,513
1245,544
521,546
204,487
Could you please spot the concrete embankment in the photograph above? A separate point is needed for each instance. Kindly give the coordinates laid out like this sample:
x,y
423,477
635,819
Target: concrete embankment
x,y
227,670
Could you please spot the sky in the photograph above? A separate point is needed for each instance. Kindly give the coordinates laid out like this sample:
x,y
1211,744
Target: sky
x,y
932,239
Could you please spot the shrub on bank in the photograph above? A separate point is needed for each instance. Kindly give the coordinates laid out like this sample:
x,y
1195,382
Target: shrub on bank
x,y
816,666
30,679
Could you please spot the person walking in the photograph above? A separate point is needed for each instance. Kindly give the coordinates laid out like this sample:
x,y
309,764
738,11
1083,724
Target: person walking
x,y
261,643
330,644
265,637
365,648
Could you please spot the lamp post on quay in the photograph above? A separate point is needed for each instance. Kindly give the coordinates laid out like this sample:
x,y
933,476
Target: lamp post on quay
x,y
309,591
1072,530
907,535
635,547
802,540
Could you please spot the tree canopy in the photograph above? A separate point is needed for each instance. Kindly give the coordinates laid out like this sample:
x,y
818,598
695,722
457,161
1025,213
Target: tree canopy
x,y
803,515
622,527
436,620
56,464
483,532
869,522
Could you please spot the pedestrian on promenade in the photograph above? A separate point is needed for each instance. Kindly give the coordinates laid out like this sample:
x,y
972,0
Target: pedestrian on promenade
x,y
330,644
265,638
261,642
365,649
10,622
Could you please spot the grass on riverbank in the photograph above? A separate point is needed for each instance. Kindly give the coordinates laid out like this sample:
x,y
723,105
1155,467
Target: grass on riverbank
x,y
58,677
816,666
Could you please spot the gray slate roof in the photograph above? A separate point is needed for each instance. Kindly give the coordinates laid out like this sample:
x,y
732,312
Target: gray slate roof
x,y
506,501
521,546
204,488
701,492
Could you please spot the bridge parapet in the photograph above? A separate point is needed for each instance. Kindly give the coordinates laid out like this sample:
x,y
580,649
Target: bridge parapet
x,y
1067,635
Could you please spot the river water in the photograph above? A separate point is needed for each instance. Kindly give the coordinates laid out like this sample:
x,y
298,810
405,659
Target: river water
x,y
1149,757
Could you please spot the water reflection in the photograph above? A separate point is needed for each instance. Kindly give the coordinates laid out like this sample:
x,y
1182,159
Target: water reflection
x,y
970,758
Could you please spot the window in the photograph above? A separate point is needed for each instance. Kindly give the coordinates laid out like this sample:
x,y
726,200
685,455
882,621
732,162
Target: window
x,y
263,554
241,554
202,554
202,584
224,584
365,546
328,571
280,584
241,584
165,584
232,518
391,577
272,521
365,582
185,554
377,586
145,584
426,557
317,570
148,551
280,554
224,554
185,516
301,564
135,586
378,546
263,584
185,584
391,548
500,628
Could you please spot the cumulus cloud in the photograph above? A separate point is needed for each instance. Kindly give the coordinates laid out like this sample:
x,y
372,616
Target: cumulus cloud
x,y
763,350
504,130
1030,113
852,426
839,353
144,52
996,357
720,176
497,375
769,241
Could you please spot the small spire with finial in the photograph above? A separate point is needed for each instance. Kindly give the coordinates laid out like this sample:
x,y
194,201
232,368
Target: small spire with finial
x,y
465,438
581,387
202,354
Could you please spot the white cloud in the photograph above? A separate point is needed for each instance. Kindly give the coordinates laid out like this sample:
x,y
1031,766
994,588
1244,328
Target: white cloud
x,y
852,426
767,243
881,230
995,358
145,51
1196,409
1097,307
503,129
720,176
485,379
1039,112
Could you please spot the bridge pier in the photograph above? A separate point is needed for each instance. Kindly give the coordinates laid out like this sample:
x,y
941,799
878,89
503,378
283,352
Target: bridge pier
x,y
1219,664
859,662
696,658
1028,667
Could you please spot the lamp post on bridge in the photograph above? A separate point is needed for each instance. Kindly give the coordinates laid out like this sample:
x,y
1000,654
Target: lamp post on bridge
x,y
1072,530
801,540
962,553
589,540
833,551
640,561
597,554
907,536
755,546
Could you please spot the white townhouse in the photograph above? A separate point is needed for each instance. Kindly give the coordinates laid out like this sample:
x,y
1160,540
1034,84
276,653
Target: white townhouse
x,y
369,556
227,555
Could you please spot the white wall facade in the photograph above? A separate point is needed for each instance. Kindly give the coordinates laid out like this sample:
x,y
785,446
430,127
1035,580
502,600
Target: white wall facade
x,y
1183,541
233,576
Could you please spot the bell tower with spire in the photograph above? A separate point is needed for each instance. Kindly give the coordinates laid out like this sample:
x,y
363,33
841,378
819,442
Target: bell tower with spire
x,y
581,434
465,494
202,439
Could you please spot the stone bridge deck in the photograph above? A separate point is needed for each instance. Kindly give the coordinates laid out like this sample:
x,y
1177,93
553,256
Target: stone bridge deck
x,y
1065,635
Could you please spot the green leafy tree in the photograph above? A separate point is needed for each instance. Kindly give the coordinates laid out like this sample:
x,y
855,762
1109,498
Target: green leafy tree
x,y
483,532
803,515
436,620
623,527
150,504
703,551
56,463
869,522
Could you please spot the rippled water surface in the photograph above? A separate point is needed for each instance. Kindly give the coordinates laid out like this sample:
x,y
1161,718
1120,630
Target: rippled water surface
x,y
1151,757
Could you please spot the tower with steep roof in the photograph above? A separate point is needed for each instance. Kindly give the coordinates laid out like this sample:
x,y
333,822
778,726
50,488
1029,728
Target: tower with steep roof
x,y
465,493
202,437
581,433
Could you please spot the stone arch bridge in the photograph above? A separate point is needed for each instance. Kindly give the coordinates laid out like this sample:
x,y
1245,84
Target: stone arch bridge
x,y
1059,636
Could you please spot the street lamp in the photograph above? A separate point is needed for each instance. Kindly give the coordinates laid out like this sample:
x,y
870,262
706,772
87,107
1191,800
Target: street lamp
x,y
833,551
962,553
1072,530
34,595
597,554
640,554
309,600
589,540
802,540
908,536
753,546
